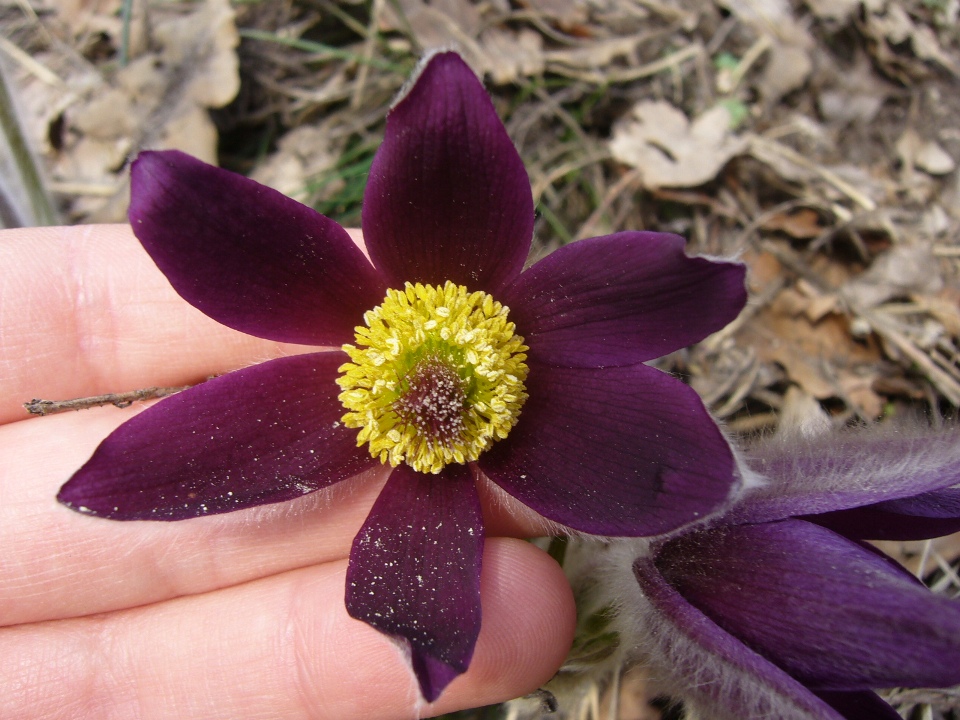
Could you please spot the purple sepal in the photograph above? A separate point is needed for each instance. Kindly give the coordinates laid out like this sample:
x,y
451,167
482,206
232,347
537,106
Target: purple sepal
x,y
811,476
829,613
928,515
622,299
202,452
414,570
863,705
625,451
448,197
248,256
711,669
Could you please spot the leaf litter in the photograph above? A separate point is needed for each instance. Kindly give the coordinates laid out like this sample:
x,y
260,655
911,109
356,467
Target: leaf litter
x,y
818,141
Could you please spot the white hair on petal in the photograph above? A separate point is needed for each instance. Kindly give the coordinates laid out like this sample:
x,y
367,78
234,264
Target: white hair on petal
x,y
884,462
300,509
684,669
712,688
851,468
579,683
425,59
733,259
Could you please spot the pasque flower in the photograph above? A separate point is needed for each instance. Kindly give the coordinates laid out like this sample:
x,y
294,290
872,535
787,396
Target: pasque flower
x,y
454,364
780,610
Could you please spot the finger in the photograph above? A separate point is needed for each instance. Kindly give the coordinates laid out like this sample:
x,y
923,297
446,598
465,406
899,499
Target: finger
x,y
282,647
86,312
58,563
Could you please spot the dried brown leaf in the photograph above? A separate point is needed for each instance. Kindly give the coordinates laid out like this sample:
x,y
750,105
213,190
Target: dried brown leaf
x,y
566,13
801,416
788,68
770,17
82,17
814,353
303,153
451,23
200,50
891,24
917,556
858,390
944,308
927,155
838,11
669,150
161,99
508,55
851,94
802,224
598,54
901,271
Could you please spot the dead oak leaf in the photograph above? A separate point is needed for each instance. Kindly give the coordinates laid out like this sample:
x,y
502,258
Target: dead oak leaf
x,y
161,99
509,56
501,54
802,224
600,53
671,151
892,23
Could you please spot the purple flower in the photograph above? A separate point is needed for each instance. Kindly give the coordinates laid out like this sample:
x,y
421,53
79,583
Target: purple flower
x,y
764,614
461,366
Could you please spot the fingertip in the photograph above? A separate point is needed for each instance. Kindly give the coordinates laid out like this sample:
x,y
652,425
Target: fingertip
x,y
529,619
284,646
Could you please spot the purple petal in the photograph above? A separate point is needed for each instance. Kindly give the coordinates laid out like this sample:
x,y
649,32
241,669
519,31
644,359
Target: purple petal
x,y
714,671
414,570
810,476
246,255
267,433
623,451
928,515
622,299
831,614
447,197
863,705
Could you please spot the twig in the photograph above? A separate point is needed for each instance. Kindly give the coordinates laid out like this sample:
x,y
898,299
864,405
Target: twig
x,y
747,381
631,74
368,49
760,145
31,65
556,173
886,329
748,60
880,322
713,342
126,14
751,424
613,711
588,229
121,400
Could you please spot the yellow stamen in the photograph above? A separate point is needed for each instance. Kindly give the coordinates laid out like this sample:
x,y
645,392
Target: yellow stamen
x,y
436,376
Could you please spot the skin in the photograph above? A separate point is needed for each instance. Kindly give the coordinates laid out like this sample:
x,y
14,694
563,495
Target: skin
x,y
231,616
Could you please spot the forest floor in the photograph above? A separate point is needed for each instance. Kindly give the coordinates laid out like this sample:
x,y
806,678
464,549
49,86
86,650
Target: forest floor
x,y
818,141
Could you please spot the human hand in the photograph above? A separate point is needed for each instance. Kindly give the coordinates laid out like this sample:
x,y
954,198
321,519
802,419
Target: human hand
x,y
229,616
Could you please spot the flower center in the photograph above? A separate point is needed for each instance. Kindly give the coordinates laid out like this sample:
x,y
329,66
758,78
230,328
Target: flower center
x,y
436,376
